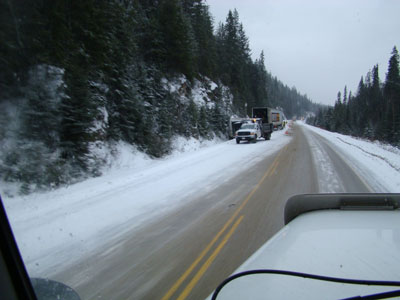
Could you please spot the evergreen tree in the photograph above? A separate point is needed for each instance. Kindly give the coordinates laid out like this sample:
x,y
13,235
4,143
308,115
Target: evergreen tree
x,y
204,40
203,123
392,95
178,37
77,117
192,113
11,46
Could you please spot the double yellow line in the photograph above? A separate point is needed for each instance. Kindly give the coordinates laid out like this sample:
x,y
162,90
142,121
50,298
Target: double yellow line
x,y
271,170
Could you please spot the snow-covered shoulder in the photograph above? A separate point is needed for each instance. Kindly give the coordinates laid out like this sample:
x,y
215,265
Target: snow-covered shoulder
x,y
64,225
379,163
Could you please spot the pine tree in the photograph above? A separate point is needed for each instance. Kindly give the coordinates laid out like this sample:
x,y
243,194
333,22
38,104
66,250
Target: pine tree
x,y
193,118
392,95
11,46
259,82
203,123
166,118
204,40
178,38
77,116
338,116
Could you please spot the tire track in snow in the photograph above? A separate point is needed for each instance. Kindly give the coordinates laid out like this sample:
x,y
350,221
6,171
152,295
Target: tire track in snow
x,y
328,180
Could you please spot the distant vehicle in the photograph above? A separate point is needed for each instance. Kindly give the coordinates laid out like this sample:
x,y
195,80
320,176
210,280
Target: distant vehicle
x,y
333,246
249,131
278,119
265,114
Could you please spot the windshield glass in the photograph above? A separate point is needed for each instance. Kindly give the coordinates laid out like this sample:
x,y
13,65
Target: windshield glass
x,y
248,126
122,170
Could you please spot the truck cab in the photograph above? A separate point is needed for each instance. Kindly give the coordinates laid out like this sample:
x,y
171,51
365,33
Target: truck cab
x,y
249,131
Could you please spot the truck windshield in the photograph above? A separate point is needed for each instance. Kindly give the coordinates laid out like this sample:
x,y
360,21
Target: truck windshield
x,y
248,126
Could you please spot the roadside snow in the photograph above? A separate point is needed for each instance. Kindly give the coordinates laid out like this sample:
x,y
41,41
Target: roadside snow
x,y
56,228
377,163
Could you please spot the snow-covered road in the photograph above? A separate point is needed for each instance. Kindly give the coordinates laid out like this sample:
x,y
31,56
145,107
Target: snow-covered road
x,y
57,228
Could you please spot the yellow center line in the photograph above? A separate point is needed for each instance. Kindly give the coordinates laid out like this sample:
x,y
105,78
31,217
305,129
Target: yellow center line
x,y
177,284
274,169
209,261
180,280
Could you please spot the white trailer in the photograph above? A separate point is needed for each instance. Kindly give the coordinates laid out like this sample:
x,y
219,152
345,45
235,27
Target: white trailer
x,y
278,119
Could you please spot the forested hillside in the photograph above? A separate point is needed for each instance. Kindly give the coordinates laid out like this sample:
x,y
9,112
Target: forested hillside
x,y
373,113
79,77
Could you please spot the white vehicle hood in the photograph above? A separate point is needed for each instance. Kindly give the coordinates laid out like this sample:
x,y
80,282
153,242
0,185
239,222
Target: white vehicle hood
x,y
347,244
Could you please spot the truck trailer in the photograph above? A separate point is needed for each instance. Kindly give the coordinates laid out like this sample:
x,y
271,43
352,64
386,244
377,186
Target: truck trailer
x,y
278,119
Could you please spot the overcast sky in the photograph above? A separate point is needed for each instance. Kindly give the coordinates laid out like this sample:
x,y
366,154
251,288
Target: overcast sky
x,y
318,46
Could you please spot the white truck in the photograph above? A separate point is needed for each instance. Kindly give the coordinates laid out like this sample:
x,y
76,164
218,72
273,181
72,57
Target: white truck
x,y
249,131
260,115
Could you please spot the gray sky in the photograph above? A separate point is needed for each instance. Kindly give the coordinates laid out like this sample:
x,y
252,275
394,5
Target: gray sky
x,y
318,46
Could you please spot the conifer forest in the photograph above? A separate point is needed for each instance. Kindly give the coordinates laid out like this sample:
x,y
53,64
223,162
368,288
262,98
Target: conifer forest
x,y
373,112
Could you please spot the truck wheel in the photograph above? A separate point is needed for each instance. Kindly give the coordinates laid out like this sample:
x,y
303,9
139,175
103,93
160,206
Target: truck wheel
x,y
237,141
268,137
255,139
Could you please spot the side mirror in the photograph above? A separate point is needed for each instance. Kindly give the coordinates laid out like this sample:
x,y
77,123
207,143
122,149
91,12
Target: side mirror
x,y
46,289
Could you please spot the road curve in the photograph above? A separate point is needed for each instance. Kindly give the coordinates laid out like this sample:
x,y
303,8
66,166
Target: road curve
x,y
188,252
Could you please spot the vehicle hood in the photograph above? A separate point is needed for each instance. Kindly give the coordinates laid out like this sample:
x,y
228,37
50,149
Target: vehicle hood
x,y
335,243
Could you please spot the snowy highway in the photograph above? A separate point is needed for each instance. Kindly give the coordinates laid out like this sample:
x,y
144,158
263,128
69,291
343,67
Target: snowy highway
x,y
175,228
189,250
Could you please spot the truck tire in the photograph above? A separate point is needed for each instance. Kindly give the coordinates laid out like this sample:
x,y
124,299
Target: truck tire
x,y
255,139
268,136
237,141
